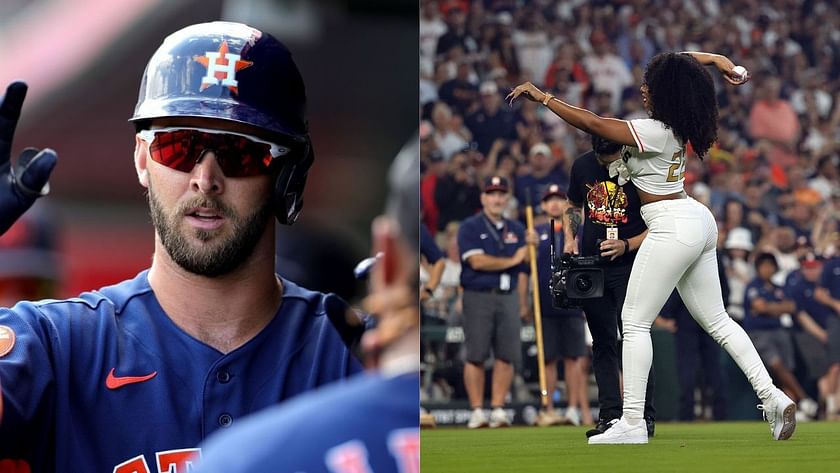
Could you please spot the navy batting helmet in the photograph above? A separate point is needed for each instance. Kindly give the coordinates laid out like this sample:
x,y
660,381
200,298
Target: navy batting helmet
x,y
231,71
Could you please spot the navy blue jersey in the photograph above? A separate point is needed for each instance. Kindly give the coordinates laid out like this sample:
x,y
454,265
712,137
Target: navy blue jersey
x,y
106,382
770,293
604,204
802,292
544,271
830,278
478,235
369,423
428,247
538,187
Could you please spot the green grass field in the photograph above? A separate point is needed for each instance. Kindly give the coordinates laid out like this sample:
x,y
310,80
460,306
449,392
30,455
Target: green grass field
x,y
678,447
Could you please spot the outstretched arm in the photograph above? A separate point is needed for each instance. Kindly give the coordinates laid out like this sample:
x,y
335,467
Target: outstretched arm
x,y
610,128
722,63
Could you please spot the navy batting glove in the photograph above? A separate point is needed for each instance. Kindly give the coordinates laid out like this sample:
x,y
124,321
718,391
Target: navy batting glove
x,y
20,185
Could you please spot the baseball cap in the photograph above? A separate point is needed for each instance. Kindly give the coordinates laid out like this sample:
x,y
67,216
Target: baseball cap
x,y
489,88
496,183
739,239
553,190
540,148
810,260
504,18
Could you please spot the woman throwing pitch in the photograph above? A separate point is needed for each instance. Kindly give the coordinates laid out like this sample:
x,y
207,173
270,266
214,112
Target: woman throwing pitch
x,y
679,96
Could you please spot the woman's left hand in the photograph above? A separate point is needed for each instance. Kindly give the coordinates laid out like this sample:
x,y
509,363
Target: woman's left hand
x,y
529,90
726,66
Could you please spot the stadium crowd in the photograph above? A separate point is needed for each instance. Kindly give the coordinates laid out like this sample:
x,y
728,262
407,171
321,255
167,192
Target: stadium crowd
x,y
771,180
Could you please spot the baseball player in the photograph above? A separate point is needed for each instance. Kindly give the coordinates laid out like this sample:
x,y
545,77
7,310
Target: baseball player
x,y
370,422
132,377
680,248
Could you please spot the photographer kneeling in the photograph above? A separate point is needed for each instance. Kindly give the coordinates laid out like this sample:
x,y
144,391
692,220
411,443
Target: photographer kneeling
x,y
613,228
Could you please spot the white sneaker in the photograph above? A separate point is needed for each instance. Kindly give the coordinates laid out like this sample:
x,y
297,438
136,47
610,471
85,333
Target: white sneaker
x,y
621,432
477,419
498,418
780,412
809,407
573,414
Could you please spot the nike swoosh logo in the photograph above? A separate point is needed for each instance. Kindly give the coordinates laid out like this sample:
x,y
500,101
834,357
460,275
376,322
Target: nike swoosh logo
x,y
116,382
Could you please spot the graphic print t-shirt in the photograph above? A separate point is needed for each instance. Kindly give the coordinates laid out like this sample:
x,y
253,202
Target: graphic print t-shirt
x,y
604,204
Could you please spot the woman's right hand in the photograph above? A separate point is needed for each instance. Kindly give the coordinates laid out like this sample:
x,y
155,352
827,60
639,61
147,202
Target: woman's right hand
x,y
529,90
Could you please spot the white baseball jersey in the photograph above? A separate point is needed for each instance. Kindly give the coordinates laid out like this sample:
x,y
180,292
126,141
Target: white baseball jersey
x,y
656,164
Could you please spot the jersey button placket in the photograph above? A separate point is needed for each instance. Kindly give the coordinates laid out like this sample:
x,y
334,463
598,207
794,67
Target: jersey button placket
x,y
223,376
225,420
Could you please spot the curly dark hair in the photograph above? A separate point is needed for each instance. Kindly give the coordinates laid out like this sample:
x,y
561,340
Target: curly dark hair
x,y
682,96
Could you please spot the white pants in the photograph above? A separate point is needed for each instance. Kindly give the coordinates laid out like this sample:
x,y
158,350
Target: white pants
x,y
679,250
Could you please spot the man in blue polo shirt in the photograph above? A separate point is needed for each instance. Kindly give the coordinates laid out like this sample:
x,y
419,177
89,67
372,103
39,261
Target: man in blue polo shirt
x,y
493,249
811,337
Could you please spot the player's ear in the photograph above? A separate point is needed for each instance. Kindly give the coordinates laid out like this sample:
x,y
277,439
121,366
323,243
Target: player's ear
x,y
140,159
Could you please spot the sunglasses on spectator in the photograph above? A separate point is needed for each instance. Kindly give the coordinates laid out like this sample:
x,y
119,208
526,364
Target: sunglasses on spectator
x,y
238,154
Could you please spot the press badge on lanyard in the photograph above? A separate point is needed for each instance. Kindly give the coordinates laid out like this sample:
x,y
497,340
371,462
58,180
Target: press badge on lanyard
x,y
504,282
612,233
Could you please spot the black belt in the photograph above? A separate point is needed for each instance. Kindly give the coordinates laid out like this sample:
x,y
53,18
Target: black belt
x,y
491,290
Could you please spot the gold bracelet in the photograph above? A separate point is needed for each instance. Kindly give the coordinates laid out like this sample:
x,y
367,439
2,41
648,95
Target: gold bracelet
x,y
547,98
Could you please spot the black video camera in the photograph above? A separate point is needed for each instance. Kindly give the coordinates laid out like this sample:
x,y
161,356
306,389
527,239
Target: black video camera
x,y
574,278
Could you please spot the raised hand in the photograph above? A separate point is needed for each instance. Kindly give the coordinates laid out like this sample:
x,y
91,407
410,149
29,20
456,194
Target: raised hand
x,y
21,184
528,90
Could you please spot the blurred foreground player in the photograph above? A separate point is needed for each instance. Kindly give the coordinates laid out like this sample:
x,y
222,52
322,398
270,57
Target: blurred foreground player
x,y
29,263
370,422
131,378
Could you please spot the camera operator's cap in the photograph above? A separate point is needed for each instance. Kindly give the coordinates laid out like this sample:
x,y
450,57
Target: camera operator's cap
x,y
739,239
496,183
540,148
810,260
553,190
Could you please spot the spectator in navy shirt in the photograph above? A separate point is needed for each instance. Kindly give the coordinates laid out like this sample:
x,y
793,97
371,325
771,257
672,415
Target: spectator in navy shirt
x,y
432,258
812,317
828,293
545,170
767,319
491,121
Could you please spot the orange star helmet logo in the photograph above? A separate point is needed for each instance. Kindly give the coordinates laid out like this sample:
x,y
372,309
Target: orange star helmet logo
x,y
222,67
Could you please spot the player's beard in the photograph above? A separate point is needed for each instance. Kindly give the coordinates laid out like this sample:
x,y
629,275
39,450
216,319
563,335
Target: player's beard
x,y
208,258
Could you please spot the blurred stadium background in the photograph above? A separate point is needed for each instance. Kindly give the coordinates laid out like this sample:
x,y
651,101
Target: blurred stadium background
x,y
83,60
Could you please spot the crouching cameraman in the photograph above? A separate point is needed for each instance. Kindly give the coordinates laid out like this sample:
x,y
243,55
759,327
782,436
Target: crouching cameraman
x,y
613,228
